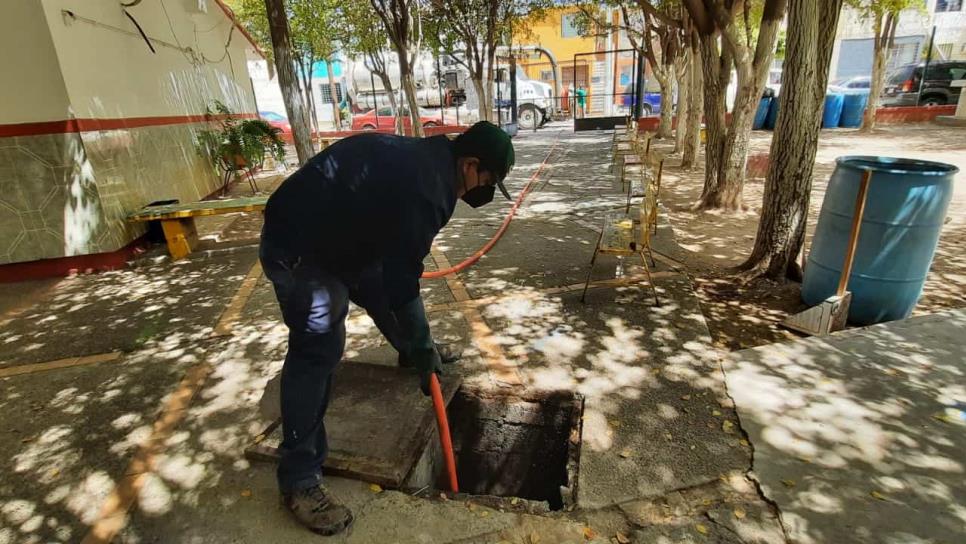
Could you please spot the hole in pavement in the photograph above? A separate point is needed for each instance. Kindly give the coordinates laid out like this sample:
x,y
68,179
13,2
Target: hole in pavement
x,y
507,445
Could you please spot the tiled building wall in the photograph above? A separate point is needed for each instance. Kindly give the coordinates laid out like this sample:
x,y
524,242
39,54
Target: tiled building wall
x,y
69,194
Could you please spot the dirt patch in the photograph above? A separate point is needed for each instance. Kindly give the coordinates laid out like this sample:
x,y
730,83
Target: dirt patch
x,y
711,243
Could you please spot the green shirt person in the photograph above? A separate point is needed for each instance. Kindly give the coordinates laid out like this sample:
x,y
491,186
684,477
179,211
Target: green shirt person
x,y
581,98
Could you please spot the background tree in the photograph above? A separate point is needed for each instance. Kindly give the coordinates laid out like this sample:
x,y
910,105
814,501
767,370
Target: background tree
x,y
287,79
363,35
477,26
402,22
735,24
695,109
654,29
884,17
788,186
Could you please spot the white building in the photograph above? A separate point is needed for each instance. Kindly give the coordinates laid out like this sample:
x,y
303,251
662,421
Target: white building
x,y
854,43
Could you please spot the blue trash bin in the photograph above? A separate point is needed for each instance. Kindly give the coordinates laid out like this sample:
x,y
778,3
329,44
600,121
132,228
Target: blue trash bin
x,y
832,114
772,114
904,213
761,113
853,106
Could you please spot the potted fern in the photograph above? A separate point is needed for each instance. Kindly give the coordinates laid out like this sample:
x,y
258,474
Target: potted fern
x,y
239,143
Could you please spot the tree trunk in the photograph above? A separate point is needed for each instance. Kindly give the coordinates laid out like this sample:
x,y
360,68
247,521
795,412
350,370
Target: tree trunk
x,y
336,114
409,87
781,231
884,34
692,141
393,104
725,192
667,106
485,114
716,68
684,93
287,79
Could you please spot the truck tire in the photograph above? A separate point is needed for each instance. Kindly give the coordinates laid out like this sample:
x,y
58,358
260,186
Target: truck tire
x,y
529,117
932,100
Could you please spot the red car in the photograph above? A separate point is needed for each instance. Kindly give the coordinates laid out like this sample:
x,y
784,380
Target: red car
x,y
383,118
276,120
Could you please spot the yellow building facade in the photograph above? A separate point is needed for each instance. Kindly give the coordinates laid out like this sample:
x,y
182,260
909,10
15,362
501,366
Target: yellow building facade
x,y
588,61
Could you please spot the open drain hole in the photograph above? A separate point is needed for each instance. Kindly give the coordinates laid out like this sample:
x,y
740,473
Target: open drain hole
x,y
507,445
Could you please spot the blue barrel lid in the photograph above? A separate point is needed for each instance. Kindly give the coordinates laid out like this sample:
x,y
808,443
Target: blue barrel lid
x,y
896,165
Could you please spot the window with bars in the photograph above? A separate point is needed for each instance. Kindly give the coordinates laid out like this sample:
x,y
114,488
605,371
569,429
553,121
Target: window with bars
x,y
327,93
948,5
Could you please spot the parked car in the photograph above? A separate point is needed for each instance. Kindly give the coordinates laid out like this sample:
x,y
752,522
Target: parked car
x,y
383,118
651,105
278,121
902,84
846,84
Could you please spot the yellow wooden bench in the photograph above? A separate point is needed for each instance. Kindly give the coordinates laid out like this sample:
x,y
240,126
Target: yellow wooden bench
x,y
178,224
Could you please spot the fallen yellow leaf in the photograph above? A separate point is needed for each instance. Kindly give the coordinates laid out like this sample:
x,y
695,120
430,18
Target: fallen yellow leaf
x,y
375,488
668,436
625,453
701,529
589,533
878,496
789,483
740,513
621,539
744,442
727,426
484,513
246,493
716,413
514,501
706,502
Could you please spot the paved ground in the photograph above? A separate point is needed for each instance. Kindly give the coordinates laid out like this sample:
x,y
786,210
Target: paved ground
x,y
136,429
859,437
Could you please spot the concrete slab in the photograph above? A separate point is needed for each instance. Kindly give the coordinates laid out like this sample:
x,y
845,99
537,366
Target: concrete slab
x,y
66,437
859,437
378,423
124,310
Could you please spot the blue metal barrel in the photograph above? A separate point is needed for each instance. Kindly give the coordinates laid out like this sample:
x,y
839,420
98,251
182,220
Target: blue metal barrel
x,y
762,113
772,116
832,113
904,213
853,106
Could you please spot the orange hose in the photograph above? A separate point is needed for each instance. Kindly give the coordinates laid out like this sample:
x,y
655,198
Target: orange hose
x,y
444,438
499,233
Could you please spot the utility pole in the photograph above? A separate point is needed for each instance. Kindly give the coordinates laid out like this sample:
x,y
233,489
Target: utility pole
x,y
287,80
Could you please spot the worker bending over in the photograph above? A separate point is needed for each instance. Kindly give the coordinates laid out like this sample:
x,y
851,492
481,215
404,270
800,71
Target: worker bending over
x,y
355,223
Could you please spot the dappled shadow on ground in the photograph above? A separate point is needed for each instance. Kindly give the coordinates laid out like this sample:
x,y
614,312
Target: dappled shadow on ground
x,y
123,310
68,434
859,436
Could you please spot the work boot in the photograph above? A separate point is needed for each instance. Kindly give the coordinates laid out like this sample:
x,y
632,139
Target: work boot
x,y
316,509
448,354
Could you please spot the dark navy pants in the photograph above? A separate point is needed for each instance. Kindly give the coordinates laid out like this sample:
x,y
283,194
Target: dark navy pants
x,y
314,304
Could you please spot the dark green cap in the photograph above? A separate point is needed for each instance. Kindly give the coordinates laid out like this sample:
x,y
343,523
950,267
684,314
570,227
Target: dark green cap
x,y
492,146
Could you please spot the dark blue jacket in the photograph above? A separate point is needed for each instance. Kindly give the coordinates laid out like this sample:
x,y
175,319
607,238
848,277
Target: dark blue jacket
x,y
367,200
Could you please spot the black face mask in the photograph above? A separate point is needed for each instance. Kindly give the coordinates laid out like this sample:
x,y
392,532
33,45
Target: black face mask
x,y
480,195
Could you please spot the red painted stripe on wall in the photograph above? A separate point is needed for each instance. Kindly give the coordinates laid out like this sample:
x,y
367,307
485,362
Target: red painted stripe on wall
x,y
66,126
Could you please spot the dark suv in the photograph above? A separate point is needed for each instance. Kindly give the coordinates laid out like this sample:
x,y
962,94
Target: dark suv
x,y
902,84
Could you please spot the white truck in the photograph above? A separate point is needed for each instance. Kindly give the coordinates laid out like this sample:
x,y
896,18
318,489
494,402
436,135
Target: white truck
x,y
535,104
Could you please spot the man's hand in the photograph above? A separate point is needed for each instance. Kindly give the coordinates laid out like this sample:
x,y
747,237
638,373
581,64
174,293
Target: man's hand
x,y
427,362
